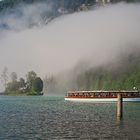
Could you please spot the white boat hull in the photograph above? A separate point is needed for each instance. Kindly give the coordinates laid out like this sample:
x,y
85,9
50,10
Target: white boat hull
x,y
102,99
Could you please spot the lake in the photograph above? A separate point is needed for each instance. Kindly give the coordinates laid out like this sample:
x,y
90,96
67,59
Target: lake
x,y
52,118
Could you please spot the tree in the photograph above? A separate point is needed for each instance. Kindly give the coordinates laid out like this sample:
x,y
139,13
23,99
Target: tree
x,y
22,83
31,76
4,76
13,76
12,86
37,85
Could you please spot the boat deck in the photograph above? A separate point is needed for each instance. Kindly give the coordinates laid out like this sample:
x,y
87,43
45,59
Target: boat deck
x,y
102,95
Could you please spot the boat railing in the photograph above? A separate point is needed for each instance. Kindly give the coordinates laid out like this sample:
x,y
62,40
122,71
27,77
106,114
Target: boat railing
x,y
134,93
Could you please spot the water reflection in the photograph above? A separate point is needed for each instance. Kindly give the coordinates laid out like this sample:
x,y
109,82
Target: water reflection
x,y
119,121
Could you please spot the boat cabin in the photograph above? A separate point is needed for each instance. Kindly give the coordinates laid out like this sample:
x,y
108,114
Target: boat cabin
x,y
102,94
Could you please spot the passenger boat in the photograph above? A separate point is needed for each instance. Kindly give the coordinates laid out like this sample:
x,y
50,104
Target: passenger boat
x,y
103,96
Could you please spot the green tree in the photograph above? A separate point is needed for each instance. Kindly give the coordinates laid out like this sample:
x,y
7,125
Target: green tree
x,y
22,85
37,86
12,87
14,84
31,76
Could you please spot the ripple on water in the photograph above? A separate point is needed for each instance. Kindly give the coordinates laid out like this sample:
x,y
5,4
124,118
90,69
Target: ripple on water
x,y
53,118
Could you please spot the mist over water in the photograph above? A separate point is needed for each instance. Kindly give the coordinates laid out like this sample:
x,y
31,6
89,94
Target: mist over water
x,y
95,36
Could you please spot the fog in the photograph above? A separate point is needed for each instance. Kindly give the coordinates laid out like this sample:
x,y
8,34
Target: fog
x,y
96,36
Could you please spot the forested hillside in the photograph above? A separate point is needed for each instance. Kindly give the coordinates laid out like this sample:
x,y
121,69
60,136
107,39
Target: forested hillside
x,y
68,4
36,12
21,14
123,73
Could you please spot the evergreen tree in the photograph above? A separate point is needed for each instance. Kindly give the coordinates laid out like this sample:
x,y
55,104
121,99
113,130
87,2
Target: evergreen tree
x,y
37,86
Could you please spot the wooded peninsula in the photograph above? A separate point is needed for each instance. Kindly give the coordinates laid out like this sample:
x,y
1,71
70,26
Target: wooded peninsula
x,y
32,85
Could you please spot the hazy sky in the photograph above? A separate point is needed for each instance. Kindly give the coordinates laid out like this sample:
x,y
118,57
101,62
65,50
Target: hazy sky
x,y
96,35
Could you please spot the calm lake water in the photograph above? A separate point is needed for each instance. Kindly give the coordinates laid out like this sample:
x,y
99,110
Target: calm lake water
x,y
52,118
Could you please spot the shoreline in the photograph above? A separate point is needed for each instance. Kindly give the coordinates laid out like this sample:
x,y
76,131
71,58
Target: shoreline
x,y
20,94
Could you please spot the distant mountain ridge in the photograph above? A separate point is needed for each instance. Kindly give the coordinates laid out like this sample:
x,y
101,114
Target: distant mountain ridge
x,y
43,11
15,10
68,4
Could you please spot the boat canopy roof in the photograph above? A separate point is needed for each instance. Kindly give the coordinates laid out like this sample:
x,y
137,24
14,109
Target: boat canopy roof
x,y
106,91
